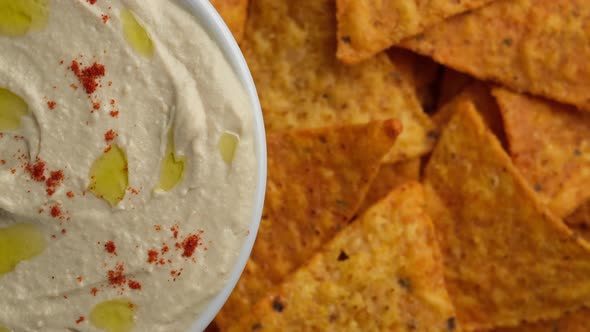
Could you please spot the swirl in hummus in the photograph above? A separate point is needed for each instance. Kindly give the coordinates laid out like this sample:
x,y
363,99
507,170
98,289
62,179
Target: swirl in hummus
x,y
127,165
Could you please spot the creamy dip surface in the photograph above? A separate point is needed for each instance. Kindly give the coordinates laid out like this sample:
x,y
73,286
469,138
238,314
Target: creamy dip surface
x,y
91,91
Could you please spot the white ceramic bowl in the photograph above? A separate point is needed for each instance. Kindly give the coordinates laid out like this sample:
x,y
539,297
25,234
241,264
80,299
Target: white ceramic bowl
x,y
219,32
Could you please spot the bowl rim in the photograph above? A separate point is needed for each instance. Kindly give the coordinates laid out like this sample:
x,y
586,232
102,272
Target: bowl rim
x,y
212,22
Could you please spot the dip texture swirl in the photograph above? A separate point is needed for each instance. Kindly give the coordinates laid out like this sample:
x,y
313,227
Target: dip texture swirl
x,y
127,166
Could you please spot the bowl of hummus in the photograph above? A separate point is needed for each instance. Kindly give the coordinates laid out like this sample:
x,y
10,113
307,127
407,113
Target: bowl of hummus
x,y
132,165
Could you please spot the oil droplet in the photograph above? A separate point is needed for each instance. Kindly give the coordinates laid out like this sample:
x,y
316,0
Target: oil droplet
x,y
109,176
172,167
114,316
136,34
12,109
228,143
19,17
18,243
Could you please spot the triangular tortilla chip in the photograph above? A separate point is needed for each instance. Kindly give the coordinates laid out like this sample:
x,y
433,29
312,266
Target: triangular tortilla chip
x,y
317,179
550,145
537,46
571,322
290,48
420,72
507,259
452,83
382,273
367,27
391,176
235,14
479,94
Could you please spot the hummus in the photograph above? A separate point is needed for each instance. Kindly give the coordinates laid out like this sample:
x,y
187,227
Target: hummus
x,y
121,181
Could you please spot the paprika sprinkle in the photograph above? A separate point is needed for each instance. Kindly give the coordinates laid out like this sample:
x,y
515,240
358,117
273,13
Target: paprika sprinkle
x,y
117,277
56,211
88,76
152,256
55,180
190,244
134,285
37,173
174,230
36,170
110,135
110,248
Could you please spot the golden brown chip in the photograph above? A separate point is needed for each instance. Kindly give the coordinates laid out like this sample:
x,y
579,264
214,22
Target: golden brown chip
x,y
234,13
537,46
452,83
507,259
367,27
576,321
382,273
290,47
479,94
317,179
391,176
550,145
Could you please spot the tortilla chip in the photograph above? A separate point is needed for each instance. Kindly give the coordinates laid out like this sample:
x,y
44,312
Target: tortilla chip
x,y
451,84
507,259
537,46
391,176
367,27
382,273
479,94
572,322
290,47
550,145
235,14
317,179
420,72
